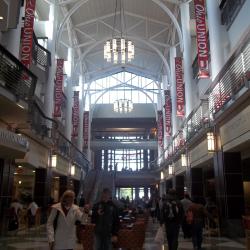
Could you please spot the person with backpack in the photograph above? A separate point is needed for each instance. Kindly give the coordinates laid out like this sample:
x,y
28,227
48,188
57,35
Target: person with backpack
x,y
62,221
172,216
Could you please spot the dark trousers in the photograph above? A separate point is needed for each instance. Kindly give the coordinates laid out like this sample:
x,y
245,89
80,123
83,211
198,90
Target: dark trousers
x,y
186,229
103,242
197,230
172,231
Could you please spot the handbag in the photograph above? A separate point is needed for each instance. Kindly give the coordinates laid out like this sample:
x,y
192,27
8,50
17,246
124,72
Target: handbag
x,y
159,237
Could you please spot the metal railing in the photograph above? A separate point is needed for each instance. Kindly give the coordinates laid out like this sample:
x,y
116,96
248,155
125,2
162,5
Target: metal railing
x,y
41,57
232,78
198,119
229,11
61,145
15,77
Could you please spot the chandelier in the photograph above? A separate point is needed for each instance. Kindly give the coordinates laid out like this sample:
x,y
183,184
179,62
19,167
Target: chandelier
x,y
123,106
119,48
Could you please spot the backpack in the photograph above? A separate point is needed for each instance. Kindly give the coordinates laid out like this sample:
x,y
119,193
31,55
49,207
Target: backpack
x,y
171,211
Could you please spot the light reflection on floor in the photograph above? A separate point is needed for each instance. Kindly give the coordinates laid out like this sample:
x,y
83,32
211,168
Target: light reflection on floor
x,y
37,240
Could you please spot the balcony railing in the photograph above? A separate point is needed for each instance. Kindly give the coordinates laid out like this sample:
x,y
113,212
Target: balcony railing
x,y
38,120
229,11
197,120
41,57
61,145
232,78
68,150
15,77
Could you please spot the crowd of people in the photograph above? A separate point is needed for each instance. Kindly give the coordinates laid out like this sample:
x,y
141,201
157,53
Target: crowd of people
x,y
187,214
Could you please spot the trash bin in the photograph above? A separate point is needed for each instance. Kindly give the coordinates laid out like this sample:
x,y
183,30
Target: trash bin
x,y
246,223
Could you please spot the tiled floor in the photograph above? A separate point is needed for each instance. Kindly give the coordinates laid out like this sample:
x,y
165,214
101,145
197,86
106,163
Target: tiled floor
x,y
36,240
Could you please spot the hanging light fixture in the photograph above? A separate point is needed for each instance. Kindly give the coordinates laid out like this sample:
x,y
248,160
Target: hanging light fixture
x,y
171,169
123,106
119,49
183,160
210,142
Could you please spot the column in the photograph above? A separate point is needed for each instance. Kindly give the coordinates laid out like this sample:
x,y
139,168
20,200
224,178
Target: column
x,y
42,189
179,186
187,63
6,185
63,185
145,191
169,184
12,38
69,94
76,186
145,159
215,37
81,109
136,193
98,159
196,176
229,192
105,164
49,91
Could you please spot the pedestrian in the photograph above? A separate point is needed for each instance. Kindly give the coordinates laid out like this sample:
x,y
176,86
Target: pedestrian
x,y
199,213
172,216
186,228
62,221
106,220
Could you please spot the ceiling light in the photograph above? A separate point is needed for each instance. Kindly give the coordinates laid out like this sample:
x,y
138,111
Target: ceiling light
x,y
123,106
119,48
1,18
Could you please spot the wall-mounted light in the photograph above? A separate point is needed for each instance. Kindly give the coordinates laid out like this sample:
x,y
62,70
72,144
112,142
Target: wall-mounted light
x,y
1,17
183,160
72,170
210,142
162,175
171,169
53,161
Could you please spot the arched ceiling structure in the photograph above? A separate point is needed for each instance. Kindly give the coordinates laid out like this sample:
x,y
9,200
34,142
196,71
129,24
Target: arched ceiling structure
x,y
155,22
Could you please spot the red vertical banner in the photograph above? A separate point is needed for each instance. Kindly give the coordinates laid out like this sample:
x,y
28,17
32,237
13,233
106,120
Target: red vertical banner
x,y
160,128
75,114
58,88
27,33
201,38
85,129
180,90
168,113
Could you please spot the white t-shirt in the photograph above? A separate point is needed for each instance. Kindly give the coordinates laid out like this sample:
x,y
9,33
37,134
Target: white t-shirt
x,y
16,205
33,207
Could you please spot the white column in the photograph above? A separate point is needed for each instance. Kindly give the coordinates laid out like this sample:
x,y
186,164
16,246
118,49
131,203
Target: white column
x,y
173,89
187,63
51,27
215,37
69,95
80,130
89,130
12,38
